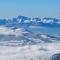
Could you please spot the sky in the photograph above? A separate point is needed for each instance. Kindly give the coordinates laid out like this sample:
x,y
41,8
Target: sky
x,y
31,8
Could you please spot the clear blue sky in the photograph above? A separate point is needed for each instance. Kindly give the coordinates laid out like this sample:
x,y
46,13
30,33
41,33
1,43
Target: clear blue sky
x,y
32,8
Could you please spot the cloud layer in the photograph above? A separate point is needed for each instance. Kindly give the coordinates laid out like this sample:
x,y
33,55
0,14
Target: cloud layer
x,y
28,52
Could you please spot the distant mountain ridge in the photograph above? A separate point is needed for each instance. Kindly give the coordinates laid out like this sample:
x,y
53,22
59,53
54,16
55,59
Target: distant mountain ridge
x,y
23,21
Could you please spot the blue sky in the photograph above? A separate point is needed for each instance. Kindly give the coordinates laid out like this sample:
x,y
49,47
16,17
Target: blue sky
x,y
31,8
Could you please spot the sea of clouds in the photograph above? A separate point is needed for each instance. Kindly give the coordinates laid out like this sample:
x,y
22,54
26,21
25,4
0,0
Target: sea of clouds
x,y
42,51
29,52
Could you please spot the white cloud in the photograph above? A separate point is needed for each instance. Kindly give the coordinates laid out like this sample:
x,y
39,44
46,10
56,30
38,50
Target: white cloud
x,y
44,36
8,31
37,52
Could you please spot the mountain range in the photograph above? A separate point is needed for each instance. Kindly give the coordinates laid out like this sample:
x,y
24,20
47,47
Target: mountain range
x,y
23,21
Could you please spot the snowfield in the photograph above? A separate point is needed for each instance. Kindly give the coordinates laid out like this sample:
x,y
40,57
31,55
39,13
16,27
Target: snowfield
x,y
29,52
